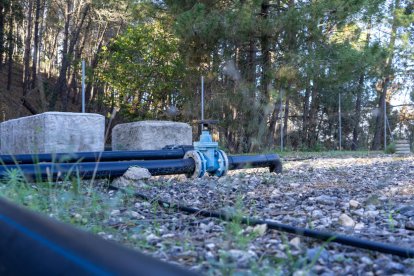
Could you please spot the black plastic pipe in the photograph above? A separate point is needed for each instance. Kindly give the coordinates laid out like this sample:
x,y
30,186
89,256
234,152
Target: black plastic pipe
x,y
86,170
103,156
255,161
31,244
320,235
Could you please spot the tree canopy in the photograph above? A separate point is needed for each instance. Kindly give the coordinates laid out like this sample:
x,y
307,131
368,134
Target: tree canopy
x,y
275,71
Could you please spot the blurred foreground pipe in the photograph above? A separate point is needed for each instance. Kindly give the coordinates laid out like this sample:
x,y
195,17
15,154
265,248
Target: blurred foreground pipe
x,y
87,170
31,244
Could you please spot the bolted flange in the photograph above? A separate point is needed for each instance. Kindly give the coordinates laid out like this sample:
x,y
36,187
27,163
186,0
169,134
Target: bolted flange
x,y
200,163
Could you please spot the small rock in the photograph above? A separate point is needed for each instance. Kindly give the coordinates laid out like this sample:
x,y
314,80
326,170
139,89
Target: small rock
x,y
372,200
366,260
346,221
260,229
359,226
168,236
358,212
294,185
77,216
393,267
301,273
407,211
137,173
317,214
210,245
371,213
242,258
135,214
317,253
115,212
152,239
327,200
409,225
209,256
295,242
339,257
276,193
353,204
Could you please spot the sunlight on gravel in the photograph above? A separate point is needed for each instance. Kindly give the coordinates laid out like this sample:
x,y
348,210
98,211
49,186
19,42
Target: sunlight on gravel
x,y
368,197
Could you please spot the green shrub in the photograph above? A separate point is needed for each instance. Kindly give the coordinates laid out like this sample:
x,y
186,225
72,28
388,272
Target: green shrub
x,y
390,149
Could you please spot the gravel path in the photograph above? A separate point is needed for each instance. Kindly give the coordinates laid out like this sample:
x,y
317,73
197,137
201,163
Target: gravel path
x,y
367,197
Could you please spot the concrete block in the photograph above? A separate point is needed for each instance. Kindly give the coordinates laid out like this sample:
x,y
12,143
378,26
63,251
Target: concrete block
x,y
53,132
150,135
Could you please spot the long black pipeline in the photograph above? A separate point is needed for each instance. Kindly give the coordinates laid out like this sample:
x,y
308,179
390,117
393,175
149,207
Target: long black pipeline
x,y
103,156
86,170
320,235
31,244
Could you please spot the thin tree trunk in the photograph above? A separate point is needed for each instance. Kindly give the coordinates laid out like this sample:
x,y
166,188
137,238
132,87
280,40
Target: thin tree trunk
x,y
27,47
313,114
357,117
274,117
94,65
265,81
36,44
2,15
286,120
45,8
10,50
358,102
386,81
305,118
61,86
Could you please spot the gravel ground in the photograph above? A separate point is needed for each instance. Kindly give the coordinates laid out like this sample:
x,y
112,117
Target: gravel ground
x,y
366,197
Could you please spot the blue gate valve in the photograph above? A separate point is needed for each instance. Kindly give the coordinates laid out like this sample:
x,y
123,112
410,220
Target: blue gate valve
x,y
207,156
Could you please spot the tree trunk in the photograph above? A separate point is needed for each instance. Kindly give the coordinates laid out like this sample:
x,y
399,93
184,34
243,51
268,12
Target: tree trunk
x,y
94,65
45,9
305,118
357,117
27,48
386,81
61,85
68,48
274,117
2,15
313,114
358,102
10,50
36,44
286,120
265,81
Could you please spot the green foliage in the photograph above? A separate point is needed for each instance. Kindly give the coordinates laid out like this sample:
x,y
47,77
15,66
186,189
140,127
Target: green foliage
x,y
250,54
143,68
390,148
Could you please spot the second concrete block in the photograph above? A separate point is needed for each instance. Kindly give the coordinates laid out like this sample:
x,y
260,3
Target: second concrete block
x,y
150,135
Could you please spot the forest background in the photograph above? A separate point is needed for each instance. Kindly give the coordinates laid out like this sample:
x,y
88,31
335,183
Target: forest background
x,y
297,72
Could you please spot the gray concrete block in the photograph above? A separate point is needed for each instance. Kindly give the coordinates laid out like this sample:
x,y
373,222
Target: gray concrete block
x,y
53,132
150,135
